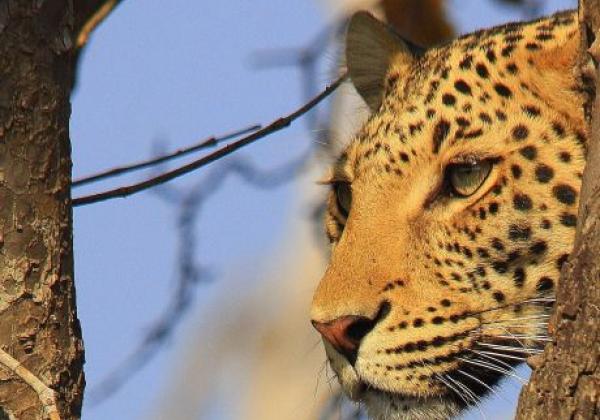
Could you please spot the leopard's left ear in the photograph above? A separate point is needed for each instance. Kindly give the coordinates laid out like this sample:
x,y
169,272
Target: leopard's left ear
x,y
371,48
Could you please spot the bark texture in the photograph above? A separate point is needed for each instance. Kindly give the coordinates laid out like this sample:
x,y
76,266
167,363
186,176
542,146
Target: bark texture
x,y
566,385
39,326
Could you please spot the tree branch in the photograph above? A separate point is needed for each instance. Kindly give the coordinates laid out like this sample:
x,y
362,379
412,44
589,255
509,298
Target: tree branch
x,y
208,142
190,273
88,15
275,126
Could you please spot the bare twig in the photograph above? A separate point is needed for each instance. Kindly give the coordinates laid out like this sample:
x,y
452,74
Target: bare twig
x,y
89,14
189,273
46,395
208,142
275,126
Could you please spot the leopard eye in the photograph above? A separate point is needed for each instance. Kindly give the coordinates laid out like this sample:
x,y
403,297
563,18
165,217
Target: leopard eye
x,y
343,196
466,178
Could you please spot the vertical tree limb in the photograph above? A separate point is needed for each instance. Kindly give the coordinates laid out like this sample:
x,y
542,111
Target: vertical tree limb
x,y
566,384
41,359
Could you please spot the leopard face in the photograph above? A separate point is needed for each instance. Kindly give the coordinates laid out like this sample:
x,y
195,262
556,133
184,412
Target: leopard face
x,y
451,213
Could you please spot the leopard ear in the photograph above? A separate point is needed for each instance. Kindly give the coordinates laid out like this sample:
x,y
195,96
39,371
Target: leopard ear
x,y
371,48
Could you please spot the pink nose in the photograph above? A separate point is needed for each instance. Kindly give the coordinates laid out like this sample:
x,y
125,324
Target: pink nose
x,y
345,333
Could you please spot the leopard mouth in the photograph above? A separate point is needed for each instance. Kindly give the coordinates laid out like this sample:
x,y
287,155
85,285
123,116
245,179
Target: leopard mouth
x,y
382,404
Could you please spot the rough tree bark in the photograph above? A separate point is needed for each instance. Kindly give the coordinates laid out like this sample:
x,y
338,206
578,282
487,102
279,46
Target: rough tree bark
x,y
41,351
566,384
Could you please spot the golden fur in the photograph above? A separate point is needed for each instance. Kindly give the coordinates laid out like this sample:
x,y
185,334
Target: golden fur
x,y
452,279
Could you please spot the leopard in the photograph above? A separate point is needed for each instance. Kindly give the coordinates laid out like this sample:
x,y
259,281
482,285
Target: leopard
x,y
450,212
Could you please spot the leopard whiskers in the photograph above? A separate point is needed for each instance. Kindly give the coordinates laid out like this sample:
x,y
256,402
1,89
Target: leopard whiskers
x,y
495,361
471,395
506,356
479,381
517,337
444,380
542,300
518,319
512,349
490,326
493,367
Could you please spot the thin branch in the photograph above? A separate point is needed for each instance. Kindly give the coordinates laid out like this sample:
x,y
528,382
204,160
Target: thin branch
x,y
208,142
275,126
45,394
190,273
90,14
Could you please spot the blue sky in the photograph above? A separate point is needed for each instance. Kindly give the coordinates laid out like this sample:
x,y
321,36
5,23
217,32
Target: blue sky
x,y
177,74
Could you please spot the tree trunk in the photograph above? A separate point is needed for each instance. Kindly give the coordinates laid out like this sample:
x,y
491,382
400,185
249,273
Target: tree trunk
x,y
566,384
41,351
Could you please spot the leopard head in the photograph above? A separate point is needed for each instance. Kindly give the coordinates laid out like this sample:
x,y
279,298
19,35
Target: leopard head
x,y
450,213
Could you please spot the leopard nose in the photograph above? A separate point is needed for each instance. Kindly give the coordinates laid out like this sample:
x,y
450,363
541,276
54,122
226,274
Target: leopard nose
x,y
345,333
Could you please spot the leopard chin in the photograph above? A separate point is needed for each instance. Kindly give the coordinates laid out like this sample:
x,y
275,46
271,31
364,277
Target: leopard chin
x,y
381,404
387,406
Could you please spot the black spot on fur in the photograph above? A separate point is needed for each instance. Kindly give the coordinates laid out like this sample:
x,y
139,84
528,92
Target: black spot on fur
x,y
545,283
564,156
512,68
484,117
533,46
568,219
463,122
531,111
519,277
558,129
502,90
544,36
516,171
448,99
498,296
500,266
483,253
473,134
440,132
538,248
497,244
522,202
519,233
463,87
544,173
507,51
520,132
565,194
529,152
500,115
466,62
482,71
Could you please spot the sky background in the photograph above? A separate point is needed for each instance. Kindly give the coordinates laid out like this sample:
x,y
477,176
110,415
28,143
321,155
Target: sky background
x,y
174,73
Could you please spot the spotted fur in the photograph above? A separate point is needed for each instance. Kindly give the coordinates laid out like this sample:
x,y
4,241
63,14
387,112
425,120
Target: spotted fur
x,y
458,288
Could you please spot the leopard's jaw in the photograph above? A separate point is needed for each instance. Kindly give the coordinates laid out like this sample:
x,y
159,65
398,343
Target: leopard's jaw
x,y
384,405
464,271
